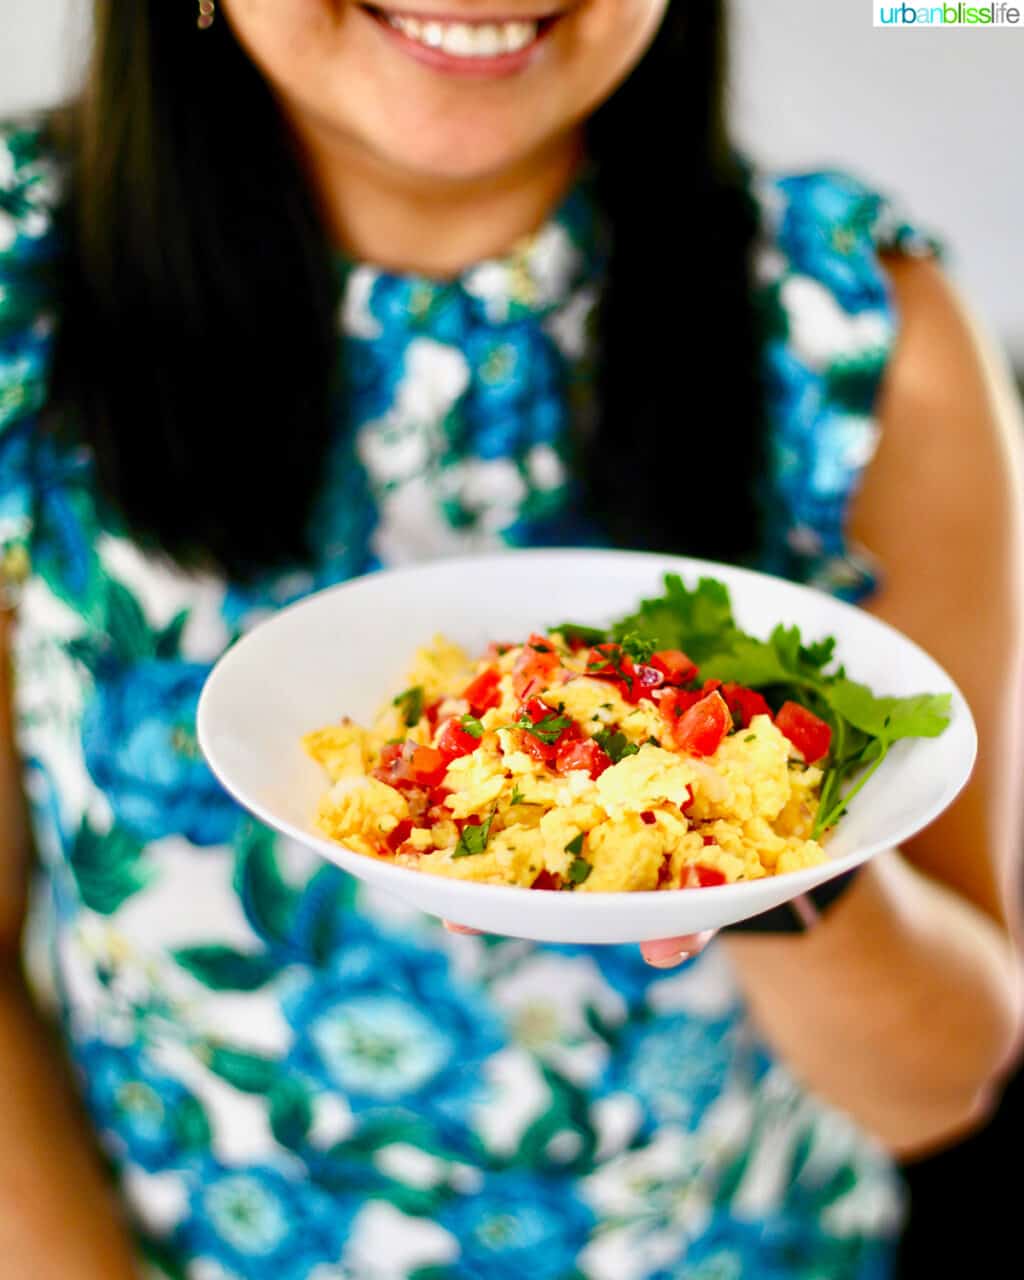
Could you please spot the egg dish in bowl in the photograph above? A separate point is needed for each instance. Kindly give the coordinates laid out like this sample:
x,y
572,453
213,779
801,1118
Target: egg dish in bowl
x,y
558,764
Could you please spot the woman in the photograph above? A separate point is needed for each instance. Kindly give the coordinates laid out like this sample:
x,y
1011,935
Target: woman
x,y
320,286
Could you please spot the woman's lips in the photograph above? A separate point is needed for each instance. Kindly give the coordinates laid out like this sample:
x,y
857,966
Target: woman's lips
x,y
456,47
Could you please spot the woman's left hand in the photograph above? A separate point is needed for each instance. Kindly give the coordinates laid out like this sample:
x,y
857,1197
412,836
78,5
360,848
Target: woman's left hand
x,y
664,953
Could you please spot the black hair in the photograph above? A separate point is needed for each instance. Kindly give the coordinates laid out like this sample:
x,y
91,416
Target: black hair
x,y
197,352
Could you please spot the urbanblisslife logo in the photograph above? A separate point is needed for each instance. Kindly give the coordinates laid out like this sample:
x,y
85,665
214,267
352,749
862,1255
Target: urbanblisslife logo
x,y
993,15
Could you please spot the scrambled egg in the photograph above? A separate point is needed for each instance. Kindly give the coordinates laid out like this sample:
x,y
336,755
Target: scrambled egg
x,y
506,811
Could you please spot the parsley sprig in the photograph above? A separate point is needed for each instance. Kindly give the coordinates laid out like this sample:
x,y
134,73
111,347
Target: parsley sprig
x,y
547,729
864,726
410,704
616,744
473,837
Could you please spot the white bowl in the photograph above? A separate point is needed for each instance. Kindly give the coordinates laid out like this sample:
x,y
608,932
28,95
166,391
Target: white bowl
x,y
344,650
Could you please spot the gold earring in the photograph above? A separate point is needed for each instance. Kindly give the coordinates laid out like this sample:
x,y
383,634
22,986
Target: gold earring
x,y
207,12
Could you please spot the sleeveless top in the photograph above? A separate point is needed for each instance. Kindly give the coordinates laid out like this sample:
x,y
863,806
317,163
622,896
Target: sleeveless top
x,y
295,1078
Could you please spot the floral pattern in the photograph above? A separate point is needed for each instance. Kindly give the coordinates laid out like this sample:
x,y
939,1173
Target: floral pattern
x,y
298,1078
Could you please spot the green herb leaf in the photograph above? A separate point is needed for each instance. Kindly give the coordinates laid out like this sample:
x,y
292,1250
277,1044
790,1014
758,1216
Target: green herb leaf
x,y
922,715
616,744
473,838
575,633
410,703
517,796
575,845
698,621
471,725
638,647
579,869
547,729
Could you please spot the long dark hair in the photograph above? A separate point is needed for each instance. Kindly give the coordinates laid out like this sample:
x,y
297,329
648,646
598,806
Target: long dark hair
x,y
197,352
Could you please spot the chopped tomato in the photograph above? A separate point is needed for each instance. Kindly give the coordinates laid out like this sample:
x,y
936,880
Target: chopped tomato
x,y
407,764
399,834
483,693
537,710
811,736
674,702
540,751
535,667
700,729
648,817
431,712
674,665
455,741
585,754
744,704
547,880
612,663
648,678
697,876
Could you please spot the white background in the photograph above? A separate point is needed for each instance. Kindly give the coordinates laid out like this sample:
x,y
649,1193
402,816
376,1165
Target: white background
x,y
933,117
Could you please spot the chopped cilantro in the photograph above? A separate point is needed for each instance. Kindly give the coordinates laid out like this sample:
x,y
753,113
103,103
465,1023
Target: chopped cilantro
x,y
473,838
652,742
579,869
410,703
541,648
616,744
638,647
751,737
611,665
517,796
575,845
547,729
471,725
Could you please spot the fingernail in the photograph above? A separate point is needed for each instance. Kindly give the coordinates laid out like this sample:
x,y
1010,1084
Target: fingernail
x,y
670,961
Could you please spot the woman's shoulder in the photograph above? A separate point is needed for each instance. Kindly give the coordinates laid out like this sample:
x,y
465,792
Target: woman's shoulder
x,y
833,228
830,323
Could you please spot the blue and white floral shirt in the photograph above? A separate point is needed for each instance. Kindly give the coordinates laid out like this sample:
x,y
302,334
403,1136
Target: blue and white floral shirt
x,y
297,1079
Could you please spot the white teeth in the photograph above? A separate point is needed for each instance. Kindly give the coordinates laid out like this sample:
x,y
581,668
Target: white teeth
x,y
488,41
463,40
458,38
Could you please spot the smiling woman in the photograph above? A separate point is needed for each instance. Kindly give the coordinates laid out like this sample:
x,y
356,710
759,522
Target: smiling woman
x,y
327,287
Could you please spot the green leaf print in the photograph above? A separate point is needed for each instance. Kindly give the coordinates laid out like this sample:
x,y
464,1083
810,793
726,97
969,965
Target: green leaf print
x,y
191,1125
64,552
107,867
168,641
162,1258
225,969
291,1111
248,1072
567,1112
269,901
130,634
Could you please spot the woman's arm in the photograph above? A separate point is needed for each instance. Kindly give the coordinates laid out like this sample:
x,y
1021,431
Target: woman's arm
x,y
903,1005
58,1219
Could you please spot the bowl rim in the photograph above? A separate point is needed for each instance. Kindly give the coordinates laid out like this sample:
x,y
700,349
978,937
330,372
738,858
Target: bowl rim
x,y
600,901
